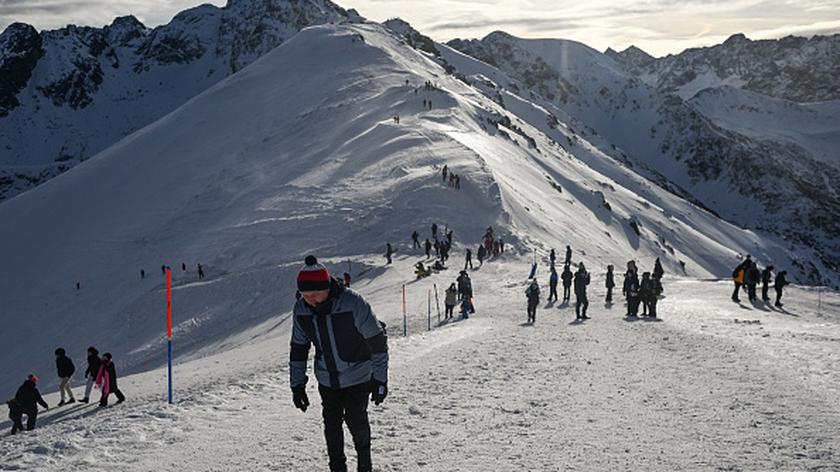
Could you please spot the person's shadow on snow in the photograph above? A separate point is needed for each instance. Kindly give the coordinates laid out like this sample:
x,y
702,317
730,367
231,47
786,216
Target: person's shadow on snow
x,y
631,319
576,321
550,304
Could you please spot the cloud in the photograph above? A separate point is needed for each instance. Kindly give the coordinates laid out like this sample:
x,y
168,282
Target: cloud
x,y
658,26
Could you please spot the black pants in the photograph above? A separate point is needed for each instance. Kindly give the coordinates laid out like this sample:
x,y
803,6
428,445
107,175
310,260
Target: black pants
x,y
566,292
764,288
751,292
468,262
609,294
552,293
650,306
633,306
581,302
17,419
416,244
104,400
778,296
346,405
532,311
735,293
449,310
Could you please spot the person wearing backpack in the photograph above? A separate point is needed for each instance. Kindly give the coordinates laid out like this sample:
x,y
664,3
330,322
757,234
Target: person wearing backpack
x,y
64,366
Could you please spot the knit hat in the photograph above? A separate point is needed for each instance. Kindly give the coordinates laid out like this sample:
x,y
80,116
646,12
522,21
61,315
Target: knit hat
x,y
313,276
33,378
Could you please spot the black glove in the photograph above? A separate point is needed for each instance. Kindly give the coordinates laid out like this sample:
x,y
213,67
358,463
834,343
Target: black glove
x,y
378,391
299,397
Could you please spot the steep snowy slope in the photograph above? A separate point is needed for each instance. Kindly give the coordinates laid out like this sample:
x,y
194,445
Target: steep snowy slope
x,y
264,168
814,127
74,91
749,180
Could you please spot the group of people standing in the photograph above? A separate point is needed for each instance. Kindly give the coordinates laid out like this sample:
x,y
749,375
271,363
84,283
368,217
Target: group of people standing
x,y
100,372
645,292
454,179
460,293
746,275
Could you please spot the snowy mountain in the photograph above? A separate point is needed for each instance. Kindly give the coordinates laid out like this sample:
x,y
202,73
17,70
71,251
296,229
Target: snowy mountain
x,y
752,179
67,94
300,153
792,68
261,169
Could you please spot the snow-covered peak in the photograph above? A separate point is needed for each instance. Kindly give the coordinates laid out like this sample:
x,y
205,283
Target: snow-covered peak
x,y
81,79
794,68
630,57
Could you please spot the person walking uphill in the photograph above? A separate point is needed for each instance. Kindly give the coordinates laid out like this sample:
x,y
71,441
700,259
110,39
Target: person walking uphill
x,y
64,366
94,362
610,282
106,379
351,360
26,402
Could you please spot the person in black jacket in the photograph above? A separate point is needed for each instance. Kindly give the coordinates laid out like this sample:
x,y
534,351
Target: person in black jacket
x,y
90,373
106,379
26,402
781,281
631,290
581,300
65,368
566,277
751,278
766,275
610,282
647,294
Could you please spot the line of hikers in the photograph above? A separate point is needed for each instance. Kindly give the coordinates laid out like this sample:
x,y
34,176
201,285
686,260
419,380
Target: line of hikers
x,y
100,372
747,276
454,179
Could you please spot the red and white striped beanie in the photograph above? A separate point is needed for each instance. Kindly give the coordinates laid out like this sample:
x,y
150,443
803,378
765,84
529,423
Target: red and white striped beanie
x,y
313,276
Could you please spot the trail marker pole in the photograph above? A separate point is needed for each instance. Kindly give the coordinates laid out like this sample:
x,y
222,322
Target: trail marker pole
x,y
429,300
437,302
405,319
169,329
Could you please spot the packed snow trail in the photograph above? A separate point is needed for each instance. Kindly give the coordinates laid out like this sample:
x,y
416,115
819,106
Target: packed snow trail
x,y
694,391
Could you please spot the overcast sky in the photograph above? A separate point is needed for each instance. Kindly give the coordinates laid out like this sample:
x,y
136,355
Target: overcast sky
x,y
657,26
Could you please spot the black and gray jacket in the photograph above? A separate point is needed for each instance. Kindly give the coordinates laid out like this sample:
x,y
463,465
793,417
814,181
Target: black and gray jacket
x,y
350,343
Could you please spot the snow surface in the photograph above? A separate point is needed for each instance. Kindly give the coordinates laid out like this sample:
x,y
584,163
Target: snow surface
x,y
266,167
711,386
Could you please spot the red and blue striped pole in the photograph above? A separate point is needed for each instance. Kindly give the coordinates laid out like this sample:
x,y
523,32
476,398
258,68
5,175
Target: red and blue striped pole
x,y
169,327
